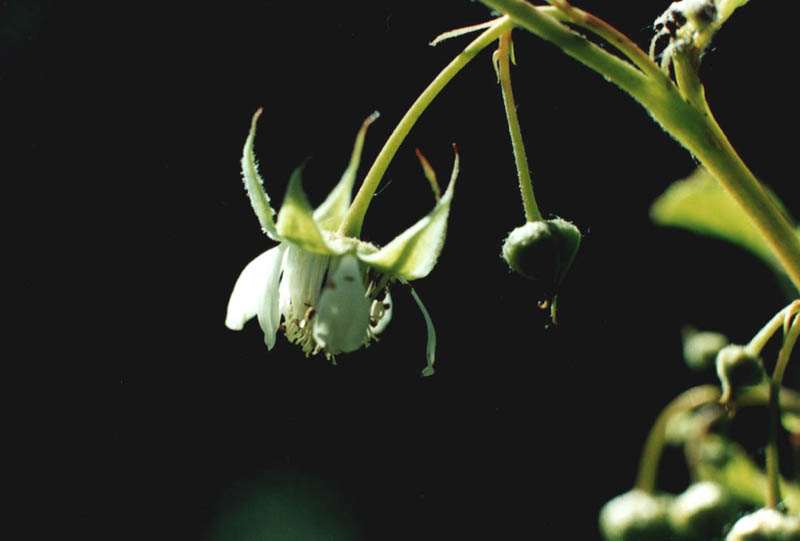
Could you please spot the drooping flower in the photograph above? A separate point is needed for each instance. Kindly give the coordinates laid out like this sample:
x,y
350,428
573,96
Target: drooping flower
x,y
328,292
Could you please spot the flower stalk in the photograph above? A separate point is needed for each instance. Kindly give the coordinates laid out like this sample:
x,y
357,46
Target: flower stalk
x,y
501,58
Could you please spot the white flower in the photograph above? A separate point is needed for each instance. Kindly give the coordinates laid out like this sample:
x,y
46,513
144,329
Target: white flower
x,y
329,292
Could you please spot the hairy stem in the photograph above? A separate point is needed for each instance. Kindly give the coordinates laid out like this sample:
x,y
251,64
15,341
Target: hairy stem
x,y
502,56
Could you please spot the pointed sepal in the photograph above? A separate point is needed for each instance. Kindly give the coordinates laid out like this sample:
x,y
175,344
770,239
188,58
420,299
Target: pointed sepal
x,y
296,222
254,185
413,253
331,212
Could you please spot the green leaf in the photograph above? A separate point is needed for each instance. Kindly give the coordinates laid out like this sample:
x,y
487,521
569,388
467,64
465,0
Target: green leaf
x,y
700,204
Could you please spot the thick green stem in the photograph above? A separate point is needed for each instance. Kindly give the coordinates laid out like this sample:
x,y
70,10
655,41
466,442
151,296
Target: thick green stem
x,y
354,219
684,114
503,54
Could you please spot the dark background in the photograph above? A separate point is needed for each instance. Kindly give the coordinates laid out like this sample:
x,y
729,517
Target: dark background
x,y
127,123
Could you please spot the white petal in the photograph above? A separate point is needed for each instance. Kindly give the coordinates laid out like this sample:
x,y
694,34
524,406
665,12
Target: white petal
x,y
303,275
259,278
342,318
269,316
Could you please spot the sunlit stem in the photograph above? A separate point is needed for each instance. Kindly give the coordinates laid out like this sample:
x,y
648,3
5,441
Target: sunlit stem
x,y
653,447
761,338
354,219
501,57
772,464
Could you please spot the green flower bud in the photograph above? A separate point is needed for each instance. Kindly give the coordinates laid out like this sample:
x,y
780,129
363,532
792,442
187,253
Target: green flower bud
x,y
700,348
737,367
543,250
636,516
702,511
765,525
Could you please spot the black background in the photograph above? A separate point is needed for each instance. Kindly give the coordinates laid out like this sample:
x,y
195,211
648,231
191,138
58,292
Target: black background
x,y
127,123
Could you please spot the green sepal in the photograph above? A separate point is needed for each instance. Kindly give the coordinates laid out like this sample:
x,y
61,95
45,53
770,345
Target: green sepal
x,y
254,185
413,253
296,221
331,212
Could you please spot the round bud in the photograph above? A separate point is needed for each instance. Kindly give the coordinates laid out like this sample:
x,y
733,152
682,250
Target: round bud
x,y
543,250
702,511
766,525
636,516
737,367
700,348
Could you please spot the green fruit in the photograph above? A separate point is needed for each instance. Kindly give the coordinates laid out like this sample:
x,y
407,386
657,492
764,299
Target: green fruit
x,y
737,367
543,250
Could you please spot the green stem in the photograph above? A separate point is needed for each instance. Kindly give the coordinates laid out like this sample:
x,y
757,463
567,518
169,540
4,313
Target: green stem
x,y
651,455
354,219
503,53
761,338
771,455
690,122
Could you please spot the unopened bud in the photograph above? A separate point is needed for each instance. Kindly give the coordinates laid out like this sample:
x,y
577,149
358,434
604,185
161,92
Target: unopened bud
x,y
702,511
736,368
636,516
766,525
543,250
700,348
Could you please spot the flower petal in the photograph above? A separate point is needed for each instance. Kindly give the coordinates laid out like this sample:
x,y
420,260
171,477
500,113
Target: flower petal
x,y
342,318
413,253
331,212
430,352
303,273
269,316
258,280
296,222
253,184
